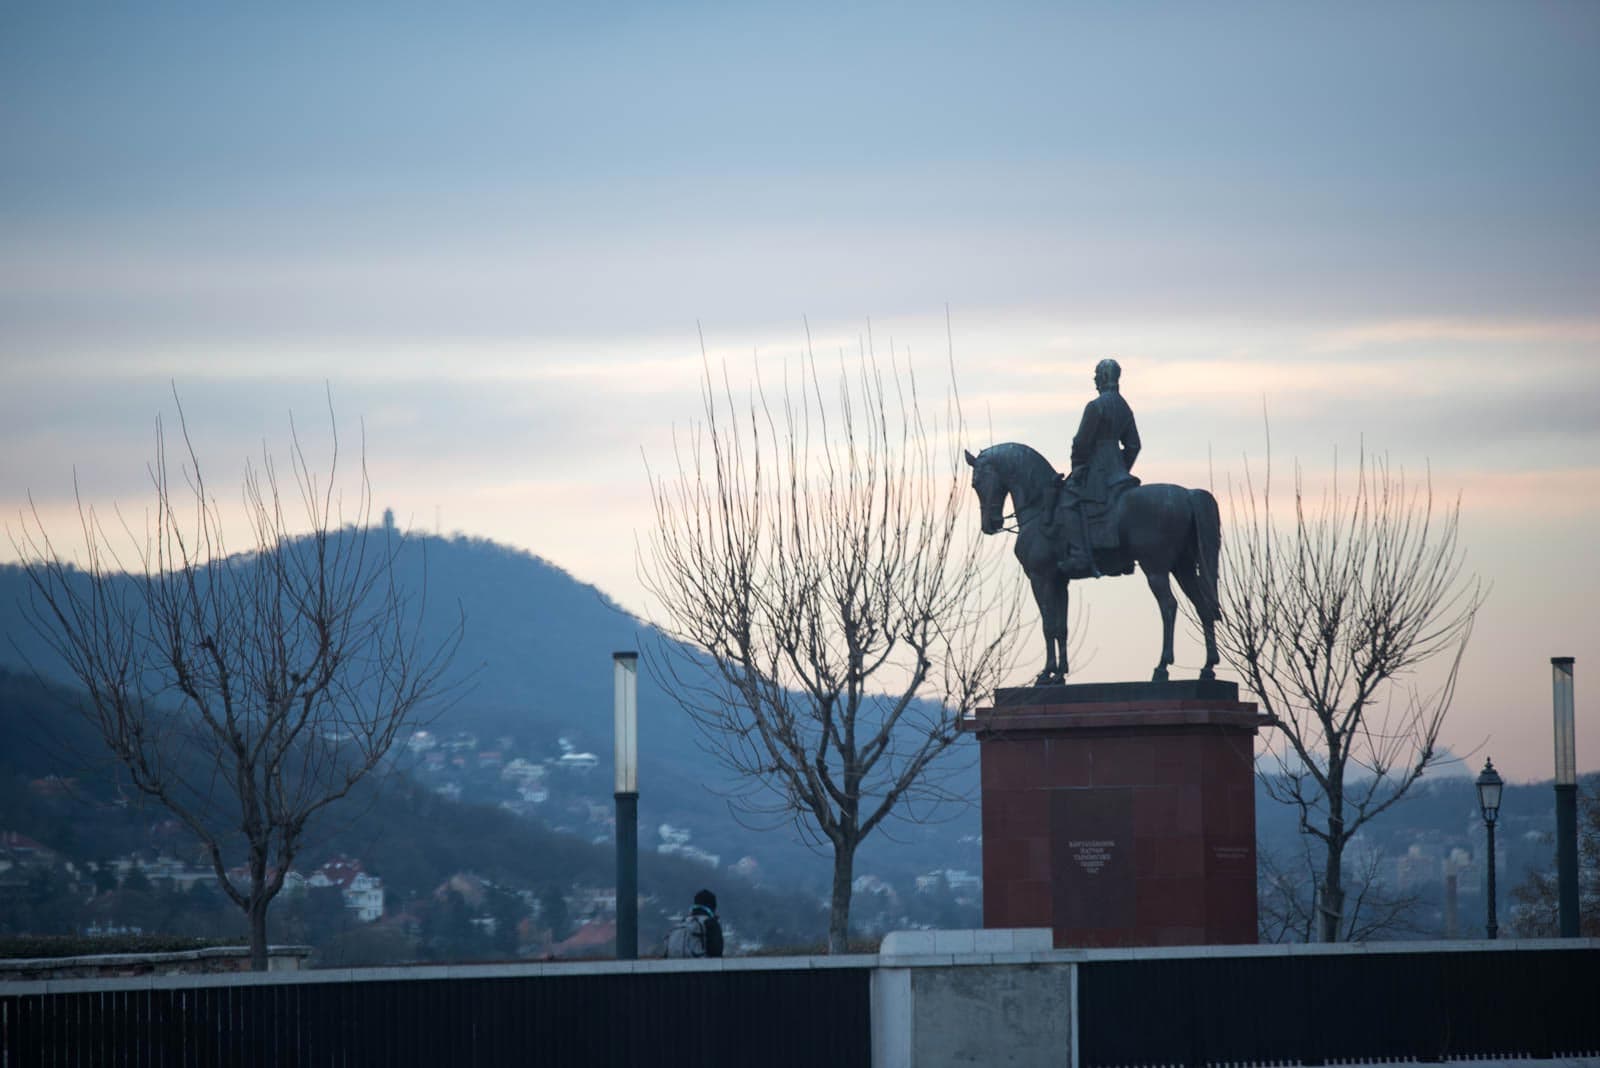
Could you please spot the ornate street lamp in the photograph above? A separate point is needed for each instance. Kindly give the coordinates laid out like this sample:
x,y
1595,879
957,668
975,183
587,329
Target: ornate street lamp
x,y
1489,786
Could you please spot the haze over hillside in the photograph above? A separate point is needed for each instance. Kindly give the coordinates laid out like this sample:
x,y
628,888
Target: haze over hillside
x,y
535,674
535,667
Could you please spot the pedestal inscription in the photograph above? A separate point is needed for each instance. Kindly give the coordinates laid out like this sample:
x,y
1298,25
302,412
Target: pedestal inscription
x,y
1092,853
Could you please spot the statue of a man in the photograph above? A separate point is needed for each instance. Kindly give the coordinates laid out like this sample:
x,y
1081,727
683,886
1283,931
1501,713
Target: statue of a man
x,y
1103,452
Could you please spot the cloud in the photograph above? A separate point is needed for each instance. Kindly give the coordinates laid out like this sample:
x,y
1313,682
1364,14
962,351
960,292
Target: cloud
x,y
1460,331
1539,497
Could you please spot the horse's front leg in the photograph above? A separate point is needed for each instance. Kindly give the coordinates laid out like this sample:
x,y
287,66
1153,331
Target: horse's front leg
x,y
1049,593
1061,636
1161,585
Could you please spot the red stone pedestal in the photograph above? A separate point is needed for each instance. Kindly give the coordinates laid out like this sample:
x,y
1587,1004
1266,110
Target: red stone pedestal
x,y
1120,814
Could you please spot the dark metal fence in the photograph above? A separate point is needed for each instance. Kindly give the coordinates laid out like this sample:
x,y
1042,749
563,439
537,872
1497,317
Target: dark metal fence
x,y
1305,1008
1339,1007
778,1017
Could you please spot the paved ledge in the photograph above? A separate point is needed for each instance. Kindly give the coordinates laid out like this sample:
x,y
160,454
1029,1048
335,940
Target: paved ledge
x,y
226,961
1337,949
423,972
965,942
900,950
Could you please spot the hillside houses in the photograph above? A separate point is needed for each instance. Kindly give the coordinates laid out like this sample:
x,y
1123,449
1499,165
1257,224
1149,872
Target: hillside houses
x,y
362,892
961,883
19,851
177,873
675,842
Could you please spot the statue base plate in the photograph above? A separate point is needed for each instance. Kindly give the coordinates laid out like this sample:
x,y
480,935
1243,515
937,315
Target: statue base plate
x,y
1103,692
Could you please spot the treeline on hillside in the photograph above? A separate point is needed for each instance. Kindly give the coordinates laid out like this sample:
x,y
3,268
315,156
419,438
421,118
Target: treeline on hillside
x,y
461,881
535,664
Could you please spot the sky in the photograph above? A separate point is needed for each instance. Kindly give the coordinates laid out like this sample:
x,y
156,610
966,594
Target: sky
x,y
497,236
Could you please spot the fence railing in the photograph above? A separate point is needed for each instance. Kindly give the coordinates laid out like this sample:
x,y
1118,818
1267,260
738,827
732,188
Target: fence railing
x,y
1265,1005
1351,1004
788,1016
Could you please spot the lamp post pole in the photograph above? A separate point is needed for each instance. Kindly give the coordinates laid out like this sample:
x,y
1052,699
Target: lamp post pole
x,y
625,723
1494,927
1489,787
1566,796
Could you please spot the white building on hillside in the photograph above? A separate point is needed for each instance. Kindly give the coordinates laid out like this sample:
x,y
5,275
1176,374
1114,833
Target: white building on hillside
x,y
362,893
579,761
364,897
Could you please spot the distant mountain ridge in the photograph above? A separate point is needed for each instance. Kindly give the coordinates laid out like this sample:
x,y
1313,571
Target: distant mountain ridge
x,y
535,666
536,669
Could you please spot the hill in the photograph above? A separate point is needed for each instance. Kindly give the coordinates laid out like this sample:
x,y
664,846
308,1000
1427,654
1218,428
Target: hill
x,y
534,684
423,846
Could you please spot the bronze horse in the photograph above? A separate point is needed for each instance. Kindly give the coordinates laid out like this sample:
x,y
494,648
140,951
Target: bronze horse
x,y
1169,531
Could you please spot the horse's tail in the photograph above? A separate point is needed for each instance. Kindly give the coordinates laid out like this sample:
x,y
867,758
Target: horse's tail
x,y
1207,549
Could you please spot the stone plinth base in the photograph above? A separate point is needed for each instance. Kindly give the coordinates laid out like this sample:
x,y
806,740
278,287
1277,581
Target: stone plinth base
x,y
1120,814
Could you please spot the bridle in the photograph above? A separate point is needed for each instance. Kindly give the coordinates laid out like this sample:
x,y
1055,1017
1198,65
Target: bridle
x,y
1003,529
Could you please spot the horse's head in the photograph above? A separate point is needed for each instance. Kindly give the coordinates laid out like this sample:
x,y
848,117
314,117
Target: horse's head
x,y
991,492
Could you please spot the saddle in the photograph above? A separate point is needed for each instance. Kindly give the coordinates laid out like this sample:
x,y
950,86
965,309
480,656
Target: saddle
x,y
1100,517
1101,520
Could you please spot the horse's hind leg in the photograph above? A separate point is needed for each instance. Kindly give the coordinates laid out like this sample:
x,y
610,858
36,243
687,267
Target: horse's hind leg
x,y
1161,585
1205,606
1210,670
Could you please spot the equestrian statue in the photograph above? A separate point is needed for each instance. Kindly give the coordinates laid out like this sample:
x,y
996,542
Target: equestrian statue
x,y
1099,520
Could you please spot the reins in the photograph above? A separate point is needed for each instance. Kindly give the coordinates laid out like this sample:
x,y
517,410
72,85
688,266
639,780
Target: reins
x,y
1053,493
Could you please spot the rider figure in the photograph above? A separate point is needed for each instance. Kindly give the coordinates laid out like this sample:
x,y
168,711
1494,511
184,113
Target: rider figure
x,y
1103,452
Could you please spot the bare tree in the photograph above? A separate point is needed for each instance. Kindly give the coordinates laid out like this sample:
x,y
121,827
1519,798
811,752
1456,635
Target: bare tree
x,y
245,692
1288,896
1326,617
1285,901
835,612
1535,908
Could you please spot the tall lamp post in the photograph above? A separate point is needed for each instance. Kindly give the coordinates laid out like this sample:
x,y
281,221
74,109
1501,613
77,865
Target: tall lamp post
x,y
1489,787
625,724
1566,796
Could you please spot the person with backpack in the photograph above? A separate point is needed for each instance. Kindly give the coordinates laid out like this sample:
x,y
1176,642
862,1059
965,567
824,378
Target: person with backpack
x,y
698,934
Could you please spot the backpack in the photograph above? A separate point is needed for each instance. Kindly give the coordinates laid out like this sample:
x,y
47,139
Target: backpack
x,y
688,939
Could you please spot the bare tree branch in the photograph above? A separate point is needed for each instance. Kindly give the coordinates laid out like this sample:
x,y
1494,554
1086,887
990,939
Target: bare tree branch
x,y
246,692
1327,618
1535,902
836,617
1290,899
